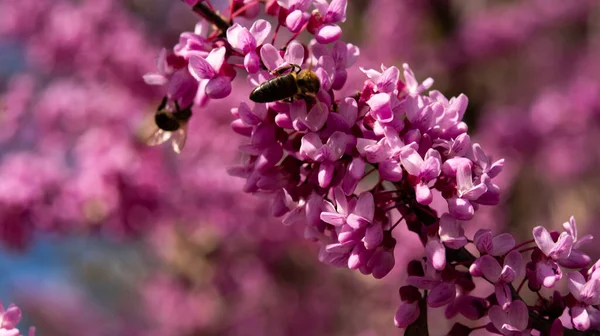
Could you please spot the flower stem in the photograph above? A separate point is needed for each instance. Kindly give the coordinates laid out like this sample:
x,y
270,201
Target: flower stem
x,y
211,16
243,8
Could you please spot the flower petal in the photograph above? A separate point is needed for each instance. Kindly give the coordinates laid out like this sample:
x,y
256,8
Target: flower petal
x,y
200,68
260,30
270,56
441,295
294,53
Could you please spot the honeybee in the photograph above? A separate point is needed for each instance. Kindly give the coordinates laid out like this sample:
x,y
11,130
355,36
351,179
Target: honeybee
x,y
170,125
297,84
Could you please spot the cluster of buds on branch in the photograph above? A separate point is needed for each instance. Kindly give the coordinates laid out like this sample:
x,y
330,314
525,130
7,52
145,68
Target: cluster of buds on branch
x,y
351,169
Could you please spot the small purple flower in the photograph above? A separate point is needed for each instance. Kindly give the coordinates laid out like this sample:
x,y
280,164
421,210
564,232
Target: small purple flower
x,y
424,170
413,88
343,56
512,321
246,42
561,251
207,71
587,293
326,30
194,41
297,13
357,215
489,268
442,291
484,164
326,154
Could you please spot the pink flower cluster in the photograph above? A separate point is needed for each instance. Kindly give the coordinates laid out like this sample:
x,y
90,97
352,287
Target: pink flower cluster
x,y
350,169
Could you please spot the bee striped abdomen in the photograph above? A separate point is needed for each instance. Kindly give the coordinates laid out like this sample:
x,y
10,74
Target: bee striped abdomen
x,y
275,89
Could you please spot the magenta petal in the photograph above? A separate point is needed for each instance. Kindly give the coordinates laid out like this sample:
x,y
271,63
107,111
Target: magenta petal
x,y
240,39
423,194
218,88
431,168
388,80
460,208
325,173
380,107
357,222
490,268
390,170
296,20
294,53
562,248
576,259
216,57
497,317
503,295
543,239
200,68
373,236
514,260
483,241
260,30
502,243
336,12
365,206
436,252
310,145
340,201
348,110
412,161
269,158
297,215
407,314
518,315
382,263
328,33
580,318
357,168
252,62
332,218
247,116
441,295
575,283
317,117
270,56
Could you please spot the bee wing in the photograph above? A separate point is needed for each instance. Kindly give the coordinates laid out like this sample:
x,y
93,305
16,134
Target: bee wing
x,y
178,139
158,137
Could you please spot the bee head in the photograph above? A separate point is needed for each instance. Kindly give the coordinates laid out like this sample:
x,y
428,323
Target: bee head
x,y
166,122
308,81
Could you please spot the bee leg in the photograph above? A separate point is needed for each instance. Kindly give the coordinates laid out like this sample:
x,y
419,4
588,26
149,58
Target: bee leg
x,y
281,70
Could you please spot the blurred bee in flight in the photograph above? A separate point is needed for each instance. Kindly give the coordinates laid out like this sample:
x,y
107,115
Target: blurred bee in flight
x,y
297,84
170,125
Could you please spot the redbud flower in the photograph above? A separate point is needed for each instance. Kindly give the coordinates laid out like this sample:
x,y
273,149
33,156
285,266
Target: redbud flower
x,y
325,28
297,16
209,72
512,321
587,294
245,41
425,170
442,291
